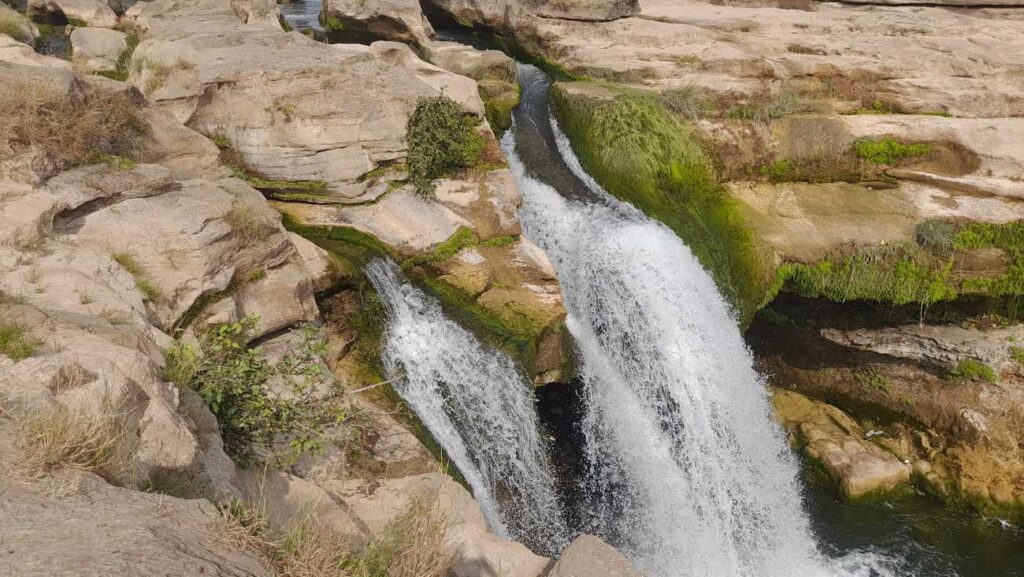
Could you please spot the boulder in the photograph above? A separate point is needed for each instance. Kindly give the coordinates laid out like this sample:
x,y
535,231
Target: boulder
x,y
400,20
860,467
589,556
18,53
476,64
257,11
98,49
591,10
87,12
78,525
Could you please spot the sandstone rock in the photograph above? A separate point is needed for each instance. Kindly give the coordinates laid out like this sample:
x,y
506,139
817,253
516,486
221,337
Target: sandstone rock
x,y
939,345
860,467
400,20
458,88
588,555
104,530
18,53
98,49
476,64
596,10
91,12
256,11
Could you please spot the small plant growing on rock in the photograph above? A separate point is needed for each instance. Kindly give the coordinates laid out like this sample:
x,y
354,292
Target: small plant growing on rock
x,y
935,234
16,342
62,438
442,140
238,384
142,281
15,25
970,370
247,224
889,150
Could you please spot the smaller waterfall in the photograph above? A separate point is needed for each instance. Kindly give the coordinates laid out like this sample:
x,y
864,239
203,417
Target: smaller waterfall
x,y
478,406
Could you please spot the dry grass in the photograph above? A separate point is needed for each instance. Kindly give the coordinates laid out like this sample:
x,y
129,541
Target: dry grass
x,y
247,223
412,545
61,438
73,129
16,341
142,281
15,25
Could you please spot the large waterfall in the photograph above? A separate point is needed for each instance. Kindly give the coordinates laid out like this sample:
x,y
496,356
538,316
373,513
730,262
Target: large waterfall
x,y
478,406
688,474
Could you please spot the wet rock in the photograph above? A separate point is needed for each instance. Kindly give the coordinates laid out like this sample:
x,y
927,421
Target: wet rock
x,y
830,437
939,345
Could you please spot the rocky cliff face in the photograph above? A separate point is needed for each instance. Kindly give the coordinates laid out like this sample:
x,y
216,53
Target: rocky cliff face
x,y
133,216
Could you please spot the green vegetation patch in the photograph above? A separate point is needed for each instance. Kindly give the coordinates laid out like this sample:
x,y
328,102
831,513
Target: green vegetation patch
x,y
640,153
142,281
234,380
972,370
275,188
442,140
16,342
498,110
888,150
907,273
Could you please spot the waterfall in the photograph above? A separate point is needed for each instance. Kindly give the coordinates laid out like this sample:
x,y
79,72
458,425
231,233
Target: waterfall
x,y
477,405
688,473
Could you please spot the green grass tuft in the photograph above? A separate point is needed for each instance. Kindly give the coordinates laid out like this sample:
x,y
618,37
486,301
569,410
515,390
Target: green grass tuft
x,y
641,154
889,150
971,370
1017,354
16,342
142,281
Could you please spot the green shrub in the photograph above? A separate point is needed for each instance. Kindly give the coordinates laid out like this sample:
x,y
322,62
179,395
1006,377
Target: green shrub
x,y
441,139
935,235
643,155
889,150
873,380
16,342
233,380
778,171
970,369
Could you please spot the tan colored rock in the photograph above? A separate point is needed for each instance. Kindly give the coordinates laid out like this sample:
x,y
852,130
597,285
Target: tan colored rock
x,y
18,53
597,10
98,49
256,11
400,20
860,467
588,555
476,64
91,12
98,529
938,345
458,88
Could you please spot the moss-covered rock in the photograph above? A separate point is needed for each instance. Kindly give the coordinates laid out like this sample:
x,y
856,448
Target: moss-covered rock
x,y
643,155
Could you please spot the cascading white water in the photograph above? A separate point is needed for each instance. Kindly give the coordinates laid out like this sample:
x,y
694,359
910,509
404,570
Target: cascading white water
x,y
477,405
689,475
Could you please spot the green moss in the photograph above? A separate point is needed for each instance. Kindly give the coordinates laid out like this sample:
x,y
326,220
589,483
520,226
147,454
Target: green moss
x,y
442,140
285,189
117,162
889,150
641,154
461,239
895,274
332,23
970,370
1008,237
498,110
123,60
777,171
16,342
873,380
509,45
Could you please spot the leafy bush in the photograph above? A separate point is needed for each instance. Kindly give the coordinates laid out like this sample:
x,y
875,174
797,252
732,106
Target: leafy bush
x,y
889,150
970,369
70,127
935,235
16,342
442,140
234,380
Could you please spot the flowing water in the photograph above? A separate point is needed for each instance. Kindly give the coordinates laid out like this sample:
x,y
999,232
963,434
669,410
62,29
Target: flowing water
x,y
478,406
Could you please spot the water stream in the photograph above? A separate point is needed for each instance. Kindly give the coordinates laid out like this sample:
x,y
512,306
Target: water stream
x,y
479,407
